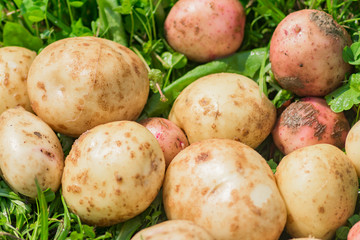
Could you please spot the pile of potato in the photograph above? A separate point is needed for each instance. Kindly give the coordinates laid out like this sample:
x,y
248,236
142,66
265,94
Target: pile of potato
x,y
215,185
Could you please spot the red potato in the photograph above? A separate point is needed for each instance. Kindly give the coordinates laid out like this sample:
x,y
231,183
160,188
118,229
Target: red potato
x,y
170,137
306,53
354,233
307,122
205,29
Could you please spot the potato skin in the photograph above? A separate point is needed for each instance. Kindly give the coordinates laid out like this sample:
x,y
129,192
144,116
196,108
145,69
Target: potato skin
x,y
205,29
227,188
306,53
354,233
78,83
307,122
352,146
174,230
170,137
14,67
29,149
113,173
224,105
319,186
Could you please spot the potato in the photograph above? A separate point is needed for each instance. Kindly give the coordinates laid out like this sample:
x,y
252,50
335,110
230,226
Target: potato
x,y
307,122
352,146
174,230
205,29
113,173
170,137
224,105
29,150
354,233
319,186
306,53
14,67
227,188
78,83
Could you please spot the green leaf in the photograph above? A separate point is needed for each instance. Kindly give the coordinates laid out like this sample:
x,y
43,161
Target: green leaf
x,y
281,97
354,219
273,165
79,30
354,81
34,10
342,232
352,54
16,35
77,3
89,231
155,77
174,60
43,212
343,98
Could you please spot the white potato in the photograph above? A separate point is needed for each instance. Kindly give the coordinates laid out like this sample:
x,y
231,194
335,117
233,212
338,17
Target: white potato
x,y
224,105
227,188
113,173
14,67
319,186
29,149
77,83
174,230
352,148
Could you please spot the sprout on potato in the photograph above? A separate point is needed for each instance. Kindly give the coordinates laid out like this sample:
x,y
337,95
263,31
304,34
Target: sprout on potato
x,y
224,105
14,67
227,188
306,53
29,150
75,84
319,186
113,173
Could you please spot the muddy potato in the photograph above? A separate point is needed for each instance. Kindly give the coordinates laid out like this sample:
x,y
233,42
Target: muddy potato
x,y
319,186
77,83
174,230
306,53
224,105
170,137
29,149
14,67
112,173
352,148
205,29
227,188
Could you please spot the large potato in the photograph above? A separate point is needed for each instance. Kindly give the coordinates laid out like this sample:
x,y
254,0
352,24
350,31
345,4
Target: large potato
x,y
174,230
29,150
306,53
319,186
227,188
14,67
352,148
224,105
113,172
205,29
77,83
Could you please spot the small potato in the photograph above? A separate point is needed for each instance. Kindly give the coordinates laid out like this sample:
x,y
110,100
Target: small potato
x,y
307,122
224,105
227,188
352,148
170,137
306,53
29,150
319,186
14,67
205,29
75,84
354,233
113,173
174,230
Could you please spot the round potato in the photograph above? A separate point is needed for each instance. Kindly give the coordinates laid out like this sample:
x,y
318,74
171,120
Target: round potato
x,y
306,53
174,230
113,173
205,29
29,150
227,188
224,105
352,144
77,83
319,186
14,67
